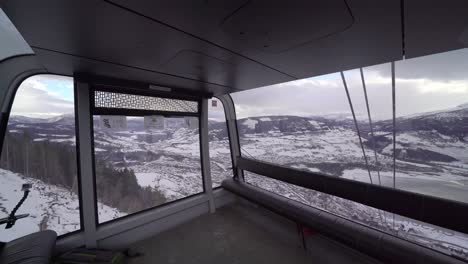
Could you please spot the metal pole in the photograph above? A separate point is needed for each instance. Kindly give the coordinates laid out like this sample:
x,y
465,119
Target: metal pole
x,y
394,133
394,124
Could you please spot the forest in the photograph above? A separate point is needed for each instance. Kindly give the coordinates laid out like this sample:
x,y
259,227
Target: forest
x,y
56,163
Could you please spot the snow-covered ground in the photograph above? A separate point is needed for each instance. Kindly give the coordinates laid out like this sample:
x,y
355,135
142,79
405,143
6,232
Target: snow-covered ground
x,y
49,207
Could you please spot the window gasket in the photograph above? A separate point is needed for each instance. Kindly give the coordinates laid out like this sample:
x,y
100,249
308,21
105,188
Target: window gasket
x,y
230,146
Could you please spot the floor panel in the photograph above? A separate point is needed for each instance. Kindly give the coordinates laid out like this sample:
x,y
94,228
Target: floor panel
x,y
230,236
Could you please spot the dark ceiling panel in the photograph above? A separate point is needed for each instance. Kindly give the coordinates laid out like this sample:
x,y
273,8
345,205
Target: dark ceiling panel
x,y
104,32
195,64
277,26
198,44
433,26
326,45
64,64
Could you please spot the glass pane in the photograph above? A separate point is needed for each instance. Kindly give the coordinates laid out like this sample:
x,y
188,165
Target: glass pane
x,y
143,162
305,124
308,125
432,117
374,118
39,148
220,152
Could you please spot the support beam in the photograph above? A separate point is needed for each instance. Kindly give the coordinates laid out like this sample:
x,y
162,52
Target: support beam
x,y
205,153
231,122
86,164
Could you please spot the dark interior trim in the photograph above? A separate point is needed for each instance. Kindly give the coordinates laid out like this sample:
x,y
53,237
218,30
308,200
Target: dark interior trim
x,y
109,84
195,36
433,210
125,65
402,8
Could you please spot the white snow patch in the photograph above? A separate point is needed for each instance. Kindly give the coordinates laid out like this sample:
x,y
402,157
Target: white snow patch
x,y
250,123
314,123
49,206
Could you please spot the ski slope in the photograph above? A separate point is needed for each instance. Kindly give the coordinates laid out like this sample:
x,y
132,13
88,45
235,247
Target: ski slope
x,y
50,207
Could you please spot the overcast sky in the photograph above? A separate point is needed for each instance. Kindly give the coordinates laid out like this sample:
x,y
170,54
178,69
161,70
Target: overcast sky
x,y
44,96
423,84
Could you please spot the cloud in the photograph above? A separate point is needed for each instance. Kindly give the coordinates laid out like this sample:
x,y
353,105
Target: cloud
x,y
426,86
445,66
38,98
303,97
418,90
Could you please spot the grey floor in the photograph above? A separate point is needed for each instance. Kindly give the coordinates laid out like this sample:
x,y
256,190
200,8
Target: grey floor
x,y
231,236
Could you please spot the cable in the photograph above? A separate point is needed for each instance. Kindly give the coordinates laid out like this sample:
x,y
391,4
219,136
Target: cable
x,y
394,124
370,124
394,131
248,154
382,219
356,124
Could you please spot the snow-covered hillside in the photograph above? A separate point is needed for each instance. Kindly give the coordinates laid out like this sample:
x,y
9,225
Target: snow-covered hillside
x,y
50,207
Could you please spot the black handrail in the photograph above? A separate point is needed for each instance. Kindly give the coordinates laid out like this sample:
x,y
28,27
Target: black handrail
x,y
433,210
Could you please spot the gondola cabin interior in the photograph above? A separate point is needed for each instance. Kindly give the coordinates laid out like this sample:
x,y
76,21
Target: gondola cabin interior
x,y
244,131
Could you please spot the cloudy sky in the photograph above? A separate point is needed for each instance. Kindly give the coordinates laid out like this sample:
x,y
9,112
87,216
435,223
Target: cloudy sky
x,y
423,84
44,96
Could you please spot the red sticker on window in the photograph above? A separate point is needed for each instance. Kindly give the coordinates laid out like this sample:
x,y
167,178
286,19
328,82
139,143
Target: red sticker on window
x,y
214,103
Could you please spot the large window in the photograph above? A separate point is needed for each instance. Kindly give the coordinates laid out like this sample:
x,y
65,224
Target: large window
x,y
320,125
144,157
39,148
305,125
220,152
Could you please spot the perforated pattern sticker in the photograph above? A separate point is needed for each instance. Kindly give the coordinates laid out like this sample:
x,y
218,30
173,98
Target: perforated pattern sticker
x,y
104,99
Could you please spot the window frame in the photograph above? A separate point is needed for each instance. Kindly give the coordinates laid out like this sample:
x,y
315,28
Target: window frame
x,y
233,133
139,113
6,118
229,140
